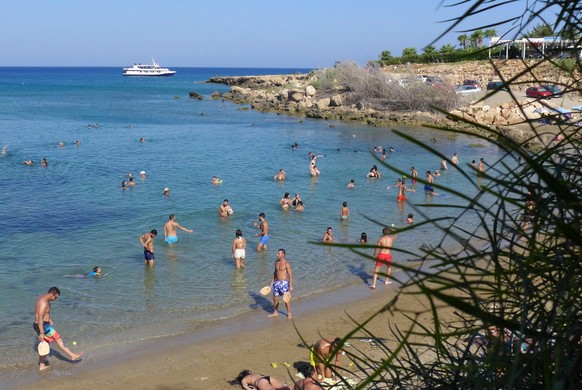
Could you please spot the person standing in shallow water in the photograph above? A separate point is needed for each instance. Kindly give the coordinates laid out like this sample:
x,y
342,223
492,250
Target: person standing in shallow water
x,y
383,256
264,226
281,283
238,249
344,212
147,241
43,326
170,227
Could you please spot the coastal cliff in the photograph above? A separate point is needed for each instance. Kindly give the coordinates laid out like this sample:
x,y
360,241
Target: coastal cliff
x,y
508,113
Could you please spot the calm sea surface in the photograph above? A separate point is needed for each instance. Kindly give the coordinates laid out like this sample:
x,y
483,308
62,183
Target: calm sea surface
x,y
73,215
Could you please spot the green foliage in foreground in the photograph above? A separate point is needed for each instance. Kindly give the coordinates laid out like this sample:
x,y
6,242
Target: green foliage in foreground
x,y
514,281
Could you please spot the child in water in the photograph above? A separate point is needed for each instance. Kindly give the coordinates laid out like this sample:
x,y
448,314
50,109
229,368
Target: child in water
x,y
93,274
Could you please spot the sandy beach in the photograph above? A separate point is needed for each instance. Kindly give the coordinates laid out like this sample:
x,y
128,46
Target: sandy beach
x,y
212,358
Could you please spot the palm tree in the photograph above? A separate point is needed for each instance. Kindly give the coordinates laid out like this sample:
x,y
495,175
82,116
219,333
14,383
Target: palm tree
x,y
477,38
463,39
409,54
429,53
490,33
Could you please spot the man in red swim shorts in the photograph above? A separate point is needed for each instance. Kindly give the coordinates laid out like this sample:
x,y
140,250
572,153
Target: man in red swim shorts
x,y
382,254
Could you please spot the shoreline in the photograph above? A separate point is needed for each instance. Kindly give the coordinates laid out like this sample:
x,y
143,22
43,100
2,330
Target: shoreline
x,y
138,364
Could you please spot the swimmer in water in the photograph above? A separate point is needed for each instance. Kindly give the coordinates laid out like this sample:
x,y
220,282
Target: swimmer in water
x,y
28,162
281,175
410,219
352,184
238,249
93,274
4,150
328,236
44,163
363,238
216,180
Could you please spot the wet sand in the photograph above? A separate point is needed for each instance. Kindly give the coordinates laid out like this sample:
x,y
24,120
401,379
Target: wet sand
x,y
212,358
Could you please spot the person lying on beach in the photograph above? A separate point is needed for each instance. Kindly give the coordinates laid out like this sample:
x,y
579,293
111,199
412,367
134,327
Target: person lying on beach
x,y
93,274
310,382
319,357
250,381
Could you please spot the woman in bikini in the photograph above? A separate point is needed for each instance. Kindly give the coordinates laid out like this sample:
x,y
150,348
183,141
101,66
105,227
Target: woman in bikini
x,y
250,381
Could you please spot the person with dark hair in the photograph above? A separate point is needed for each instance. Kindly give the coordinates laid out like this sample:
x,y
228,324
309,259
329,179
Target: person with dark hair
x,y
282,283
429,181
285,201
383,256
224,209
264,226
238,249
320,354
147,241
345,211
250,381
328,236
410,219
281,175
363,238
43,326
170,227
310,382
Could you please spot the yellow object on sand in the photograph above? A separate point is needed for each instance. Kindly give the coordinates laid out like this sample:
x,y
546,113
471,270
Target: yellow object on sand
x,y
286,364
274,365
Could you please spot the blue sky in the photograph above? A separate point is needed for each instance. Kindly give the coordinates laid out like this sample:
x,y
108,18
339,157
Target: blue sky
x,y
219,33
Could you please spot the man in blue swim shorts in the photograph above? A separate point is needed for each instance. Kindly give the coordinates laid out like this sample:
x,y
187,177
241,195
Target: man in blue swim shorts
x,y
430,181
170,230
147,241
264,226
282,284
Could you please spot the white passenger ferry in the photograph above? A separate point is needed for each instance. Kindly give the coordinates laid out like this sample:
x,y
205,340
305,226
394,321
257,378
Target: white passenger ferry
x,y
148,70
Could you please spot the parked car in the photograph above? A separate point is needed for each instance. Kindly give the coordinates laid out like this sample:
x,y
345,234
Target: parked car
x,y
538,92
471,82
497,85
554,89
467,89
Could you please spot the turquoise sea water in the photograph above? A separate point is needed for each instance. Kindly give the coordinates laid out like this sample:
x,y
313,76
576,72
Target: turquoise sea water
x,y
71,216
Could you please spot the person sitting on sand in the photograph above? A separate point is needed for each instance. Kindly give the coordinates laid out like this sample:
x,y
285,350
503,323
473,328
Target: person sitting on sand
x,y
281,175
328,236
310,382
319,357
250,381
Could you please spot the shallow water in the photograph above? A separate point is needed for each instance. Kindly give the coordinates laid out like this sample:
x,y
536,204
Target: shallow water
x,y
71,216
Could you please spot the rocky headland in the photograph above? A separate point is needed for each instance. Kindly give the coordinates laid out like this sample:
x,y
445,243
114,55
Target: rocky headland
x,y
509,113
